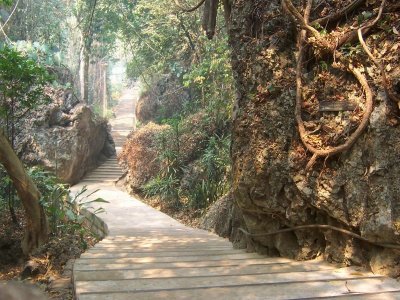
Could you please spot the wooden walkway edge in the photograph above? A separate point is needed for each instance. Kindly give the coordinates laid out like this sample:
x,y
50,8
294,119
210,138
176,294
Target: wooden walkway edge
x,y
148,255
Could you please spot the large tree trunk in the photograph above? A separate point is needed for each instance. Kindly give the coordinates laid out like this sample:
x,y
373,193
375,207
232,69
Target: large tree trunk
x,y
36,231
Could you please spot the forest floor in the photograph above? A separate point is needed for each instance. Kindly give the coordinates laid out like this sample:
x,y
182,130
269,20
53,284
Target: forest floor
x,y
48,267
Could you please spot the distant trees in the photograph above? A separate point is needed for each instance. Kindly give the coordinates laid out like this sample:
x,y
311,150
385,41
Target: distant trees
x,y
96,24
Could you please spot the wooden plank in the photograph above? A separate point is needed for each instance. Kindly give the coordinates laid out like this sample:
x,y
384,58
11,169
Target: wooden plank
x,y
151,259
280,291
166,272
87,265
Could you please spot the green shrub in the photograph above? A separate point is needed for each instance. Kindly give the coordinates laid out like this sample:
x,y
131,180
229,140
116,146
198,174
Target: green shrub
x,y
64,211
166,187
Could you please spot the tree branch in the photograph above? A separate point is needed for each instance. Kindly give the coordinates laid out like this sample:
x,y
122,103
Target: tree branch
x,y
378,64
337,15
302,131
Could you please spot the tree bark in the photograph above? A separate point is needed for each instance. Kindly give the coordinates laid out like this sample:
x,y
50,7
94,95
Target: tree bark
x,y
84,70
36,231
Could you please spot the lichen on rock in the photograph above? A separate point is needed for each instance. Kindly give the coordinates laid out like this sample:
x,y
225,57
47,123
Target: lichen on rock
x,y
65,137
356,190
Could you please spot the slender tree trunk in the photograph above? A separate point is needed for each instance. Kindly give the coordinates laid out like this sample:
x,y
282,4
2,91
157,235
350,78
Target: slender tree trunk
x,y
86,76
105,92
84,70
36,231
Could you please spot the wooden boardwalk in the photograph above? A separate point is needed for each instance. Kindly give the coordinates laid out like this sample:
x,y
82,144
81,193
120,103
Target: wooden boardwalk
x,y
148,255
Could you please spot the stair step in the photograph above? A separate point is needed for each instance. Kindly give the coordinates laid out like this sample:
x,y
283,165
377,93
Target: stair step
x,y
105,172
112,254
88,181
150,259
147,284
345,289
91,266
200,271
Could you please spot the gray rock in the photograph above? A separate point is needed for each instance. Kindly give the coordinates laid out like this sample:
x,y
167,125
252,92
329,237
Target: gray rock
x,y
65,137
19,291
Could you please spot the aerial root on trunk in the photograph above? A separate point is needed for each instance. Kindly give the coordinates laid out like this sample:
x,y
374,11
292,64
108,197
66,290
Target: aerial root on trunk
x,y
306,28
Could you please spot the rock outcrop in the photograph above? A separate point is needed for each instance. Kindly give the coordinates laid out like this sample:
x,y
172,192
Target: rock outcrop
x,y
224,219
164,99
357,190
65,137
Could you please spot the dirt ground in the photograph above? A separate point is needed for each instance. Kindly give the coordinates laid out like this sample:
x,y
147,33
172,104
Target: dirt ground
x,y
49,268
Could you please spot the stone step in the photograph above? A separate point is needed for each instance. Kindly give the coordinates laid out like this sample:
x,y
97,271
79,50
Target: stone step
x,y
111,174
164,234
152,259
101,179
297,290
201,271
103,176
163,245
87,181
109,167
115,172
115,169
163,237
113,166
111,160
148,284
167,243
113,254
157,248
86,265
109,163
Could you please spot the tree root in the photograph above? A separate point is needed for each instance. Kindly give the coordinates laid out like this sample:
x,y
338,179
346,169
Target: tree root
x,y
303,22
395,101
338,15
326,227
356,134
323,44
299,19
191,9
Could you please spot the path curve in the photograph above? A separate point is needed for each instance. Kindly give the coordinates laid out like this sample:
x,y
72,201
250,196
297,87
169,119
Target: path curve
x,y
148,255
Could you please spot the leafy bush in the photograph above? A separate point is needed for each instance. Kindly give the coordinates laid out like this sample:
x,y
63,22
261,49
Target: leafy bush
x,y
22,83
213,180
167,187
177,146
64,211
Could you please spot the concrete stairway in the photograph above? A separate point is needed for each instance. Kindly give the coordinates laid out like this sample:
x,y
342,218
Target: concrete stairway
x,y
193,264
148,255
121,126
109,171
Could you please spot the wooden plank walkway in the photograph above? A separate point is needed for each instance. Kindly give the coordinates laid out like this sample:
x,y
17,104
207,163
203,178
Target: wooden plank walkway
x,y
148,255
